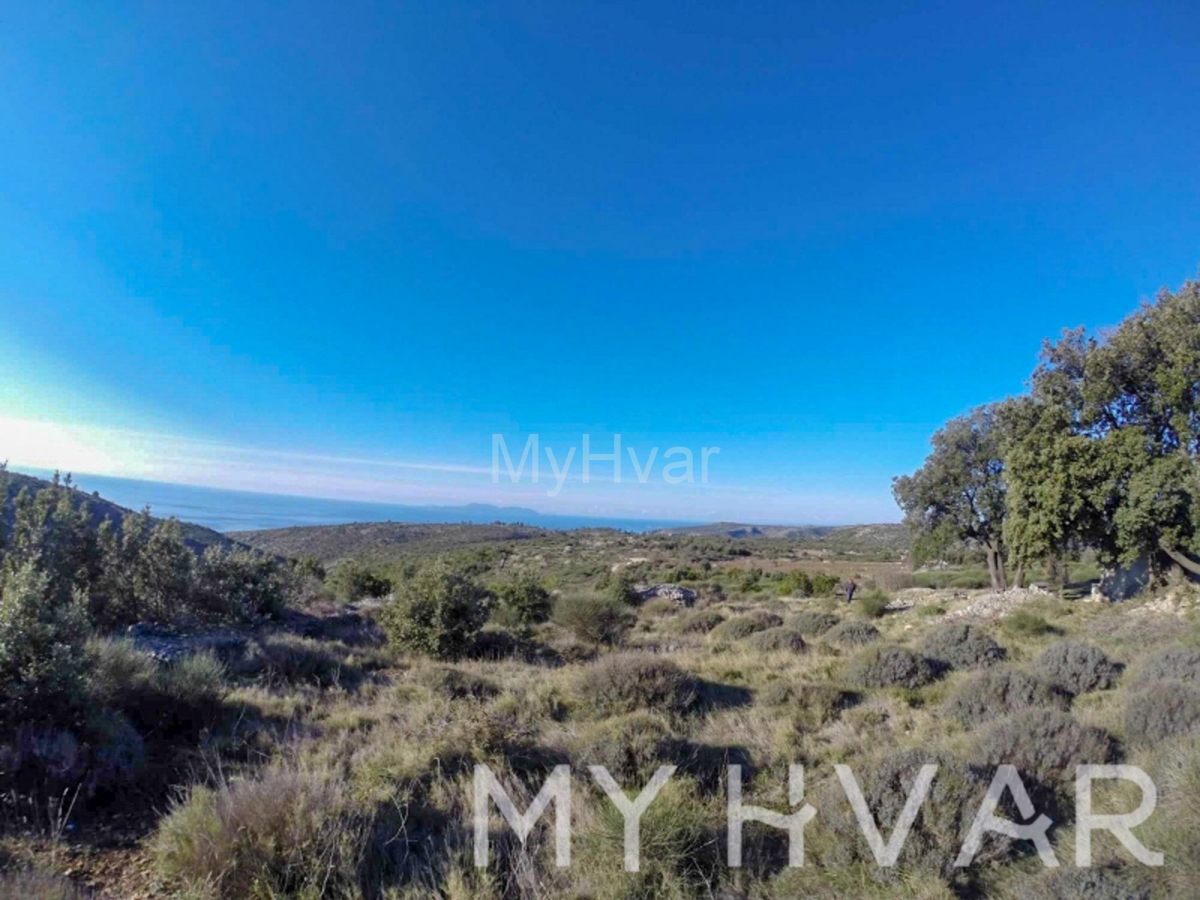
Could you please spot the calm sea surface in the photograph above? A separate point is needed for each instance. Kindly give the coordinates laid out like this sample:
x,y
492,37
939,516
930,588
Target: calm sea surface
x,y
224,510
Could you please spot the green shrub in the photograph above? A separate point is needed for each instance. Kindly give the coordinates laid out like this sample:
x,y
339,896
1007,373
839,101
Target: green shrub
x,y
962,647
352,581
776,639
1023,623
283,833
627,682
872,604
1077,668
239,584
522,602
42,655
814,704
620,589
594,619
812,621
853,633
437,613
795,584
743,626
930,610
886,667
1157,710
1001,691
823,584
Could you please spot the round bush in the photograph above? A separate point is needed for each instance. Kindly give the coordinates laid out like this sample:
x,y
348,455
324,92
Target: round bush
x,y
1179,664
624,683
594,618
775,639
938,831
1077,668
994,693
891,667
1045,746
1107,883
743,626
631,746
962,647
439,612
812,621
700,621
854,634
1157,710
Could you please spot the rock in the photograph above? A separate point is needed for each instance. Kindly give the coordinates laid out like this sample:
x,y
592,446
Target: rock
x,y
167,646
681,596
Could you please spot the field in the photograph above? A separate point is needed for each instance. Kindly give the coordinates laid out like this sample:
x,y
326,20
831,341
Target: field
x,y
332,763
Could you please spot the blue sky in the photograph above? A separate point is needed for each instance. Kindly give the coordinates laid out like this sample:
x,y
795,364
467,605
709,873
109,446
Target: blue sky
x,y
331,249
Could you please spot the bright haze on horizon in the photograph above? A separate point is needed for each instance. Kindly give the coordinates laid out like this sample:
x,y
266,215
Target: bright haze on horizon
x,y
331,250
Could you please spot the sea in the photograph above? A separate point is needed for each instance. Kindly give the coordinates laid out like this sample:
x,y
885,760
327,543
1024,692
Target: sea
x,y
225,510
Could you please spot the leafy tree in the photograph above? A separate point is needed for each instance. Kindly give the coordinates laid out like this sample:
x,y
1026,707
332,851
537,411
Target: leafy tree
x,y
959,493
1111,435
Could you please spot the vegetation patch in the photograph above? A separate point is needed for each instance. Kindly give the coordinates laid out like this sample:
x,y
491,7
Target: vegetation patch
x,y
889,667
962,647
630,682
1077,668
998,692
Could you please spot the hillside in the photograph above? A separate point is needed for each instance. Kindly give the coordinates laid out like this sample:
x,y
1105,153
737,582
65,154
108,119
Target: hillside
x,y
866,539
196,536
331,542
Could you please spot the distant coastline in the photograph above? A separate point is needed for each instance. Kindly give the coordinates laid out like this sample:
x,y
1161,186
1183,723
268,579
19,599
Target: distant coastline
x,y
226,510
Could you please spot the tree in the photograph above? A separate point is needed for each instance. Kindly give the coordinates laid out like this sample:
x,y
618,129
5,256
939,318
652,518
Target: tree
x,y
438,613
959,493
1109,452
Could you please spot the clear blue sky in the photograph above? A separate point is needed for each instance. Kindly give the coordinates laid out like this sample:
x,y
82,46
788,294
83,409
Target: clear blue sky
x,y
277,235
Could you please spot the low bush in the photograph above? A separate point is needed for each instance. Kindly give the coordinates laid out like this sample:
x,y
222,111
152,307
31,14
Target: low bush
x,y
352,581
1157,710
930,610
456,684
594,619
776,639
284,658
814,704
853,633
1045,746
938,831
1177,664
1023,623
437,613
824,583
811,621
624,683
887,667
743,626
872,604
522,602
32,884
283,833
998,692
630,746
700,621
962,647
1077,668
1114,882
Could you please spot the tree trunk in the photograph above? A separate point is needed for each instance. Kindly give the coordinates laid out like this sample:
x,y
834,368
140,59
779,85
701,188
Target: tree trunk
x,y
1181,559
1021,575
996,568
